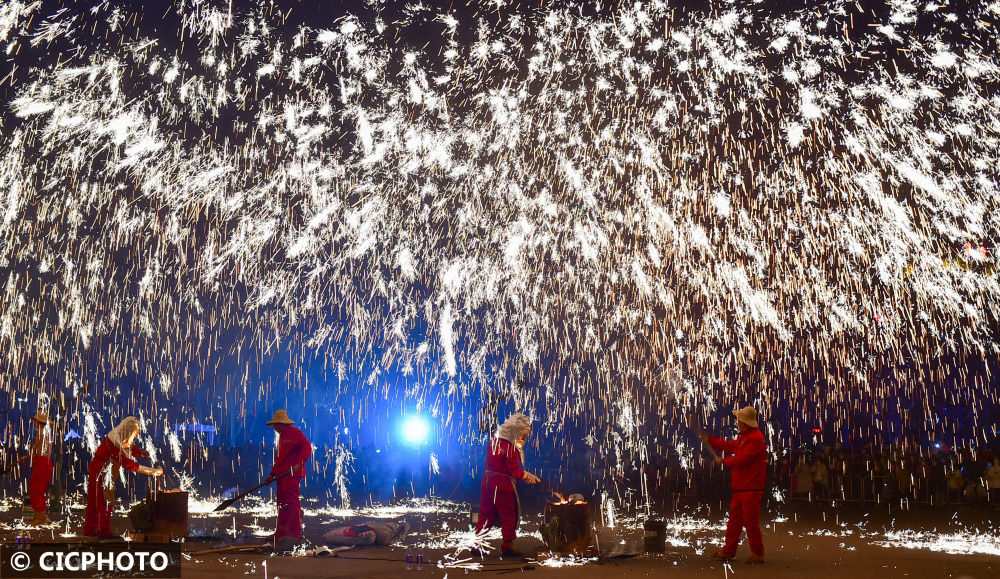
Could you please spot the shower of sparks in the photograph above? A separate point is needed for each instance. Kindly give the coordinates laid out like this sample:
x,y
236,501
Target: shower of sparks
x,y
461,542
953,543
568,561
564,205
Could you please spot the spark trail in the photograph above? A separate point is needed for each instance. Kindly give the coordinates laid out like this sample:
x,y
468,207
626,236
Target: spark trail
x,y
629,210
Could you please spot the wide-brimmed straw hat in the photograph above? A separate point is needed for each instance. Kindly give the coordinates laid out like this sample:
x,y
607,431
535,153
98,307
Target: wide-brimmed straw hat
x,y
747,415
42,418
280,417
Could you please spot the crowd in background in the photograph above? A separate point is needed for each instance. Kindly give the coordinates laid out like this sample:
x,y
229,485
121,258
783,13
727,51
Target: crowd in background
x,y
911,477
908,477
942,475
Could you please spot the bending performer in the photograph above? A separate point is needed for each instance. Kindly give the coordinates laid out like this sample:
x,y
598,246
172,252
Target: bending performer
x,y
499,505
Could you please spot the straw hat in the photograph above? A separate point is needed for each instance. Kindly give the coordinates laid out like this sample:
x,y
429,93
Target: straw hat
x,y
747,415
280,417
42,419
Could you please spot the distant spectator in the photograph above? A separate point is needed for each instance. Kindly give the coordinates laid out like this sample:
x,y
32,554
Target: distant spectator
x,y
992,476
975,492
904,477
956,482
821,477
803,477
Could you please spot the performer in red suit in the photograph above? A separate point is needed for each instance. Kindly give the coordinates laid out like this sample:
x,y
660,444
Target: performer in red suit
x,y
115,452
289,470
748,460
41,468
499,505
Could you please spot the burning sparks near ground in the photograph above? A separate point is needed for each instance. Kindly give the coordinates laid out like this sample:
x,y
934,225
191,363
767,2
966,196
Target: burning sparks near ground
x,y
954,543
609,216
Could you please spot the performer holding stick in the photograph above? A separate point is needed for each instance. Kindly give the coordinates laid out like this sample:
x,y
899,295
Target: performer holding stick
x,y
289,469
41,467
499,504
748,460
116,451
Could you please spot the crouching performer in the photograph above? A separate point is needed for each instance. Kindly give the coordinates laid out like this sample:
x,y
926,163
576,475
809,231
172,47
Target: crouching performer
x,y
499,505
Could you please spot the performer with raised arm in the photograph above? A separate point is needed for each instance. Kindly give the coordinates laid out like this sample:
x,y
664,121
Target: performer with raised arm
x,y
748,461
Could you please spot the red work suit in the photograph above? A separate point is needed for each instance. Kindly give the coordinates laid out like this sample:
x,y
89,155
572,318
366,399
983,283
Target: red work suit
x,y
41,472
100,496
289,469
498,501
748,460
38,484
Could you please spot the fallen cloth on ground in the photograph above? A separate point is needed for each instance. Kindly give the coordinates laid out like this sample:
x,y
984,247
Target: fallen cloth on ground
x,y
367,534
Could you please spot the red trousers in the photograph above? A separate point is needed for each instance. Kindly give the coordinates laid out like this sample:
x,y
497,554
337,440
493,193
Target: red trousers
x,y
744,512
498,508
289,508
38,485
97,522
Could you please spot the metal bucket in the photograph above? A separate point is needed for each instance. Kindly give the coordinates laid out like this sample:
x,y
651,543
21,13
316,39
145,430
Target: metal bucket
x,y
170,512
655,535
568,526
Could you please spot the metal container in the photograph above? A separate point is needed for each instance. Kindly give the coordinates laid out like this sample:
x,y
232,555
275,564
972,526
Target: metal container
x,y
170,513
568,526
655,535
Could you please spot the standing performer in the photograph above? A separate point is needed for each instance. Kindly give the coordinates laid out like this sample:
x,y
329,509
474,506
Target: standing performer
x,y
499,504
749,463
289,470
41,468
116,451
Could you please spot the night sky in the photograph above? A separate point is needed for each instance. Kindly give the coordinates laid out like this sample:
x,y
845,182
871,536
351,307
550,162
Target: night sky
x,y
619,219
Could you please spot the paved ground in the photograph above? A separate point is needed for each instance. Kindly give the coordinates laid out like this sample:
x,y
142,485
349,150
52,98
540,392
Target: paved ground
x,y
792,556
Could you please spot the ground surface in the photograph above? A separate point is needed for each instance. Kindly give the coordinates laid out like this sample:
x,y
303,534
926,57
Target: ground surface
x,y
807,541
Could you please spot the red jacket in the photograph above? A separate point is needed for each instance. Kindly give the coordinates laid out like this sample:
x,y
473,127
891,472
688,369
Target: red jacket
x,y
748,459
503,465
293,452
109,451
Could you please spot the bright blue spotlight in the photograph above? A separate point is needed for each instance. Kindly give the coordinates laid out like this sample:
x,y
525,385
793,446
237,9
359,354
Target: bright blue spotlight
x,y
415,430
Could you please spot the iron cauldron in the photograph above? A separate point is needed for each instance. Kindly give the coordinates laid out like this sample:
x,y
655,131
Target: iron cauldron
x,y
170,512
567,526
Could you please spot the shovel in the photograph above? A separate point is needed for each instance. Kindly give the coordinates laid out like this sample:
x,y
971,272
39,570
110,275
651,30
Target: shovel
x,y
542,484
229,502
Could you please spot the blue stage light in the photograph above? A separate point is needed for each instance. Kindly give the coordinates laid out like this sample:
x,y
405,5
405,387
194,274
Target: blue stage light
x,y
415,430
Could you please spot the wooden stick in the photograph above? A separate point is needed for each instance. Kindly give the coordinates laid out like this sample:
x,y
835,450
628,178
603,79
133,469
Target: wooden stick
x,y
254,547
